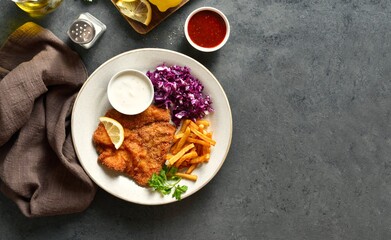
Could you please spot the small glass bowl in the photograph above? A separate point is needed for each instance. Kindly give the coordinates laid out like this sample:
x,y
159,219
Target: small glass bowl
x,y
207,49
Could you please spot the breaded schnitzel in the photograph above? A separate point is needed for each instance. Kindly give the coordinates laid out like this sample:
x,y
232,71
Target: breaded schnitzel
x,y
148,138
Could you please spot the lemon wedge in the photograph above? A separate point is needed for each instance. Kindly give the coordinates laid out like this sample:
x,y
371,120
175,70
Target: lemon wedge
x,y
139,10
114,129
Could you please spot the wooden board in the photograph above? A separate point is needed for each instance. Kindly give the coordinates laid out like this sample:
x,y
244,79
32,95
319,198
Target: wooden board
x,y
157,17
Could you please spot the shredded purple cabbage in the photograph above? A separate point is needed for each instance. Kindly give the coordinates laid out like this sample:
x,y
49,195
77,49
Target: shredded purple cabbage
x,y
176,89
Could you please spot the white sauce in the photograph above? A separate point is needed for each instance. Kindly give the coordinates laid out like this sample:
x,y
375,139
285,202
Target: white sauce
x,y
130,92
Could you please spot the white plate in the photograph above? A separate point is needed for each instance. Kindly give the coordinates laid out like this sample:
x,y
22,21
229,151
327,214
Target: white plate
x,y
92,102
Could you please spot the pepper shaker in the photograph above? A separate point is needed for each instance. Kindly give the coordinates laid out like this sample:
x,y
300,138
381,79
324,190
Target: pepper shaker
x,y
85,30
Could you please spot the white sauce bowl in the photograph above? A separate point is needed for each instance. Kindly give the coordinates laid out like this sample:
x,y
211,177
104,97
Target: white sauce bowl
x,y
130,92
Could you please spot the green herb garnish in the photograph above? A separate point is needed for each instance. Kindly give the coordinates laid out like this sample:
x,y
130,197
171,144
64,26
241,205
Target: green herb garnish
x,y
166,180
178,191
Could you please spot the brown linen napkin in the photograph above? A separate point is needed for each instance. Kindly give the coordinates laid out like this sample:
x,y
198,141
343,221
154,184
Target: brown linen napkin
x,y
39,79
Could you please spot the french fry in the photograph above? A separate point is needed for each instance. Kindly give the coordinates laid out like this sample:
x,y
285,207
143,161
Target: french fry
x,y
187,176
191,168
203,136
200,159
182,141
202,122
190,155
198,141
173,147
178,136
205,149
199,149
185,123
178,155
193,125
168,156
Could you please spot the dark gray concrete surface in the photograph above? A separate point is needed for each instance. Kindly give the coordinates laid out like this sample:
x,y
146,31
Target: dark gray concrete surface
x,y
310,91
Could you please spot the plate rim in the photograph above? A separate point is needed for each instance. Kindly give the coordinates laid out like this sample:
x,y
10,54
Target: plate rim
x,y
230,122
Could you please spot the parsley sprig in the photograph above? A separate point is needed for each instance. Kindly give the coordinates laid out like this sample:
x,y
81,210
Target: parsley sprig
x,y
166,181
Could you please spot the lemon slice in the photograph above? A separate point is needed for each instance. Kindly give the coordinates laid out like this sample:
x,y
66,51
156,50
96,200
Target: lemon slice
x,y
139,10
114,129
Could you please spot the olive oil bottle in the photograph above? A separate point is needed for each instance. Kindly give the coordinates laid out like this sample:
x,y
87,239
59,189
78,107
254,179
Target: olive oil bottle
x,y
38,8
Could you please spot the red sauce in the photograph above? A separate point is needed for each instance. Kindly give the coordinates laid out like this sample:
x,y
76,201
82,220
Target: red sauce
x,y
207,29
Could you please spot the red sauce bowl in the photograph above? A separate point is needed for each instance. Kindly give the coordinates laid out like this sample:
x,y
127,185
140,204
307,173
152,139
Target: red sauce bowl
x,y
207,29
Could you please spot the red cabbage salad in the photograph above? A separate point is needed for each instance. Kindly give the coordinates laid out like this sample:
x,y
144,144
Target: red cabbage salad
x,y
176,89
